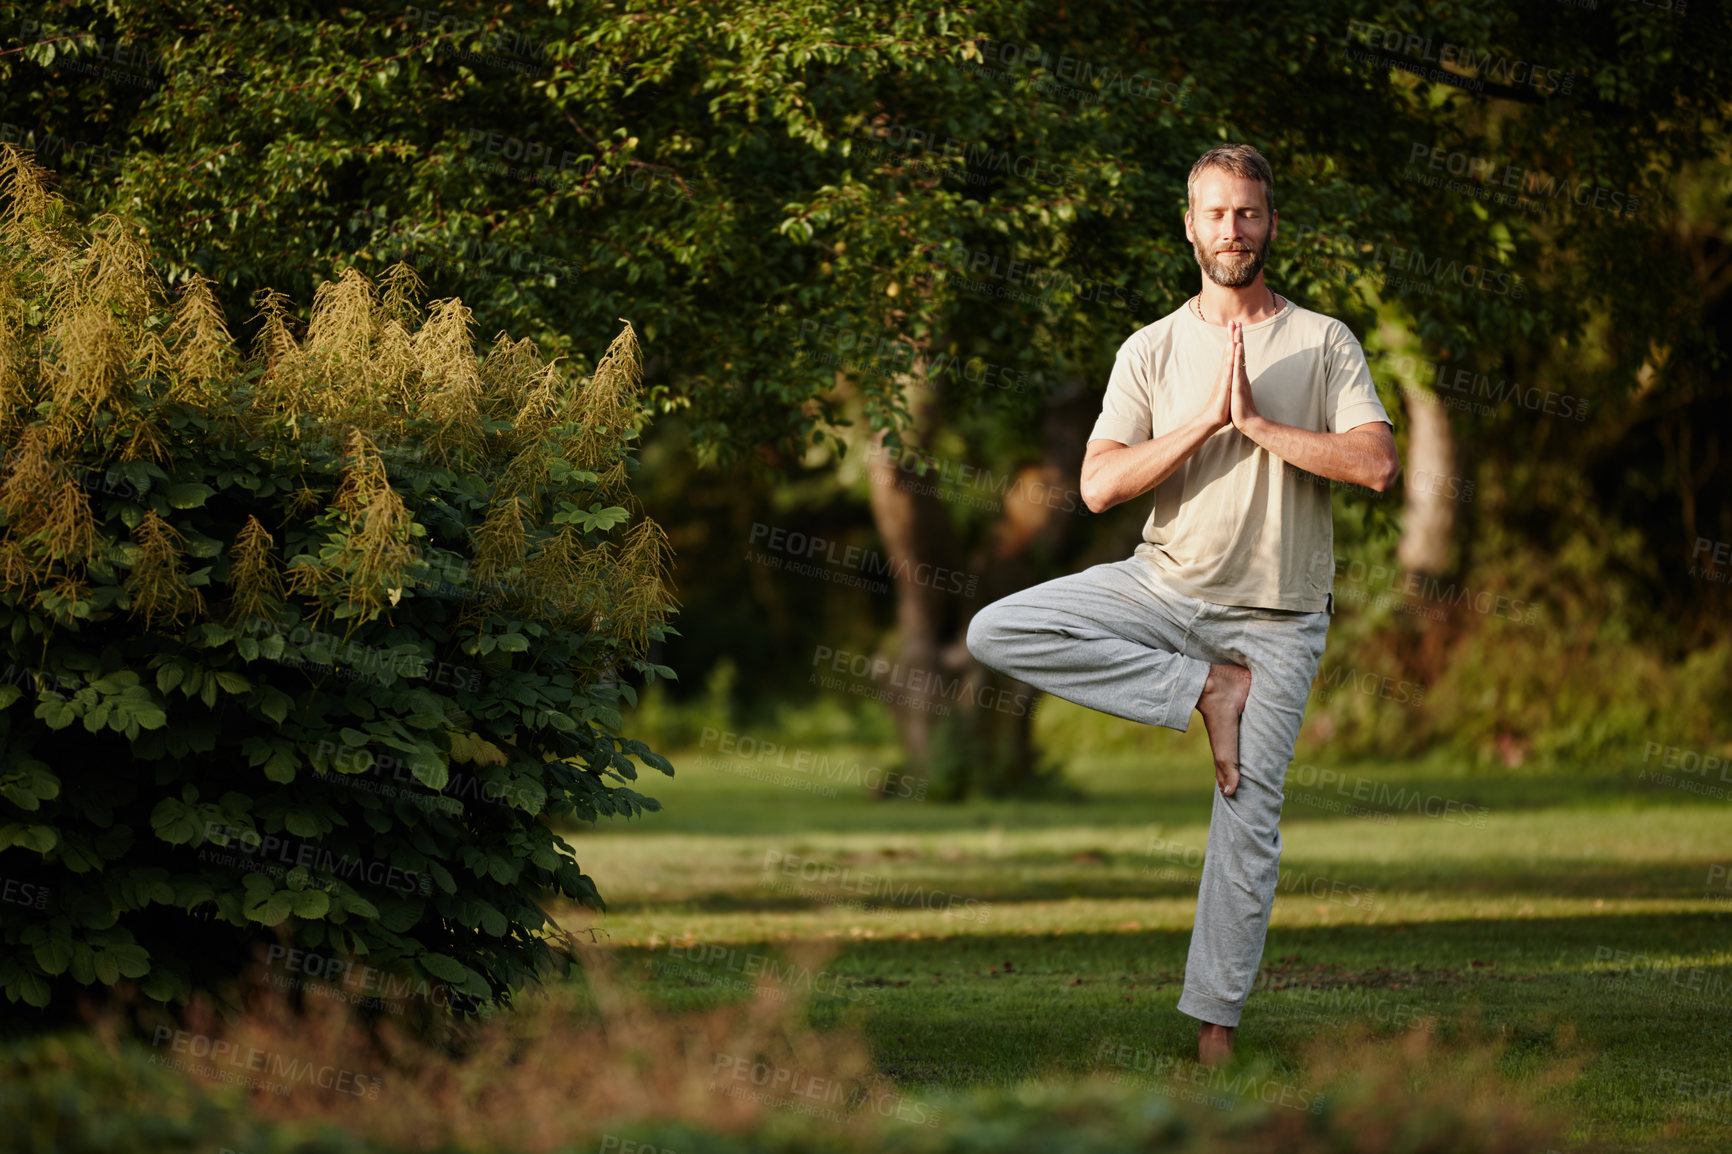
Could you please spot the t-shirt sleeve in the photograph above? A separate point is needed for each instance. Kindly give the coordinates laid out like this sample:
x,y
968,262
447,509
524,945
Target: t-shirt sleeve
x,y
1126,416
1350,396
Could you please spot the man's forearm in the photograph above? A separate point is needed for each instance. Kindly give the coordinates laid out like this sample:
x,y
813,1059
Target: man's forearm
x,y
1112,477
1361,456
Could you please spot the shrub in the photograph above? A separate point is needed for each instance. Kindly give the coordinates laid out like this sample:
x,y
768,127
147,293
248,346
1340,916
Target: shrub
x,y
754,1077
305,647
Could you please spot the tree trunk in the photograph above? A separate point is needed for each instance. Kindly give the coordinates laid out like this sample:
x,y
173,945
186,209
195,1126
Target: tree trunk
x,y
900,516
1431,486
973,733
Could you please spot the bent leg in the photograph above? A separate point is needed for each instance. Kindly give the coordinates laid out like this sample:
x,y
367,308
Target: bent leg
x,y
1100,638
1242,865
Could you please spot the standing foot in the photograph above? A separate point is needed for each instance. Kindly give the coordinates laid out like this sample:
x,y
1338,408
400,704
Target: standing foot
x,y
1214,1044
1222,701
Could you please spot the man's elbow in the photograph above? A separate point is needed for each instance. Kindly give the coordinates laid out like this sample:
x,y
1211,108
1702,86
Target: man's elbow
x,y
1094,496
1388,470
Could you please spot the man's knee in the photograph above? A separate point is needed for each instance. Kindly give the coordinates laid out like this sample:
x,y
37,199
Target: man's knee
x,y
987,635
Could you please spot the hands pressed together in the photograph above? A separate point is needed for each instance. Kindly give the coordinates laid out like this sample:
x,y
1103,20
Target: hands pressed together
x,y
1230,402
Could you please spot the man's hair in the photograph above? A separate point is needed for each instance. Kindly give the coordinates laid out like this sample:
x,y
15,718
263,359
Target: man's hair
x,y
1240,160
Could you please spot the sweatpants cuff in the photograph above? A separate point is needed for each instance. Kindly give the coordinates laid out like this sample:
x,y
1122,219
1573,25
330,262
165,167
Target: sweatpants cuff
x,y
1208,1009
1182,694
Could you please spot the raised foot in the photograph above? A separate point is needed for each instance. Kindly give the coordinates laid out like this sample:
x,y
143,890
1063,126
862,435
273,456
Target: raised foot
x,y
1214,1044
1222,701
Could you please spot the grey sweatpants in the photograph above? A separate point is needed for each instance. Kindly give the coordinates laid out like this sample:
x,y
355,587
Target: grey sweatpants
x,y
1116,638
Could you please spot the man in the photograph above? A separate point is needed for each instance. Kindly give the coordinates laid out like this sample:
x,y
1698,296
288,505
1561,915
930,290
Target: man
x,y
1222,408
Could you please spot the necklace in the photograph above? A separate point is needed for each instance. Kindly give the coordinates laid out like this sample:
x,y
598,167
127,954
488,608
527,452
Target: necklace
x,y
1197,304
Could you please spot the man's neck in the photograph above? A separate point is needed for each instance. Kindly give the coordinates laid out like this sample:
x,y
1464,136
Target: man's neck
x,y
1248,305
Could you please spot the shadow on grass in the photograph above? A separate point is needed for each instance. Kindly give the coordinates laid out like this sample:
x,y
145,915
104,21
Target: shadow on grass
x,y
1107,876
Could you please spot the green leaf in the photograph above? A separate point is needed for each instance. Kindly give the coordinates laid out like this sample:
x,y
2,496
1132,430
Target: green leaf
x,y
431,771
41,838
132,959
311,904
301,823
174,821
54,955
233,682
446,968
187,494
269,907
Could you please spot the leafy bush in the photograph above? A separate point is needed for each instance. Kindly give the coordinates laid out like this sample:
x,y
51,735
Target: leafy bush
x,y
306,647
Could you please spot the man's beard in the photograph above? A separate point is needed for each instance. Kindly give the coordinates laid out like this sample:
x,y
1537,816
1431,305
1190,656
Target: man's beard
x,y
1235,273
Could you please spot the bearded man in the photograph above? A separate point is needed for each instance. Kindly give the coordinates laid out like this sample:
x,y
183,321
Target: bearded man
x,y
1227,409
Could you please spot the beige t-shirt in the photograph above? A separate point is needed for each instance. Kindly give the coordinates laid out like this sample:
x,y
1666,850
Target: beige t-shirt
x,y
1235,524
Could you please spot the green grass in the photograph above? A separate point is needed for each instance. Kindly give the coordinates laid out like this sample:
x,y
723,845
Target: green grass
x,y
1071,919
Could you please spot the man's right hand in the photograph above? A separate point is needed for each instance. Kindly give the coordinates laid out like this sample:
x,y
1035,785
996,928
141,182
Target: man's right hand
x,y
1218,409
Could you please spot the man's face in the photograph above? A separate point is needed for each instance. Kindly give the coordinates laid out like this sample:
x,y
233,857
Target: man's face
x,y
1229,227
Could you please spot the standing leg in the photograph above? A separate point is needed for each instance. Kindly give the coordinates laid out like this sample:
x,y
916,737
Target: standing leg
x,y
1241,868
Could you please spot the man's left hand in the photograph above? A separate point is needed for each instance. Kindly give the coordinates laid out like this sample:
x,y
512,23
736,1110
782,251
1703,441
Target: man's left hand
x,y
1244,405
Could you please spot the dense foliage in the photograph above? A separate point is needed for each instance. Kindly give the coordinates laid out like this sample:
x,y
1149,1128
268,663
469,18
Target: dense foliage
x,y
804,203
305,647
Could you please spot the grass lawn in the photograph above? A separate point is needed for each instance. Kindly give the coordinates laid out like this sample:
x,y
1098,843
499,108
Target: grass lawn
x,y
991,942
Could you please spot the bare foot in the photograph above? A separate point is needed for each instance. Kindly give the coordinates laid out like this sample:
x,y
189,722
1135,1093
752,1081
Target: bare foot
x,y
1221,703
1214,1044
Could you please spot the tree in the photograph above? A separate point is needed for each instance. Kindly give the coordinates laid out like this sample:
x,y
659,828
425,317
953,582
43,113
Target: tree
x,y
996,185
